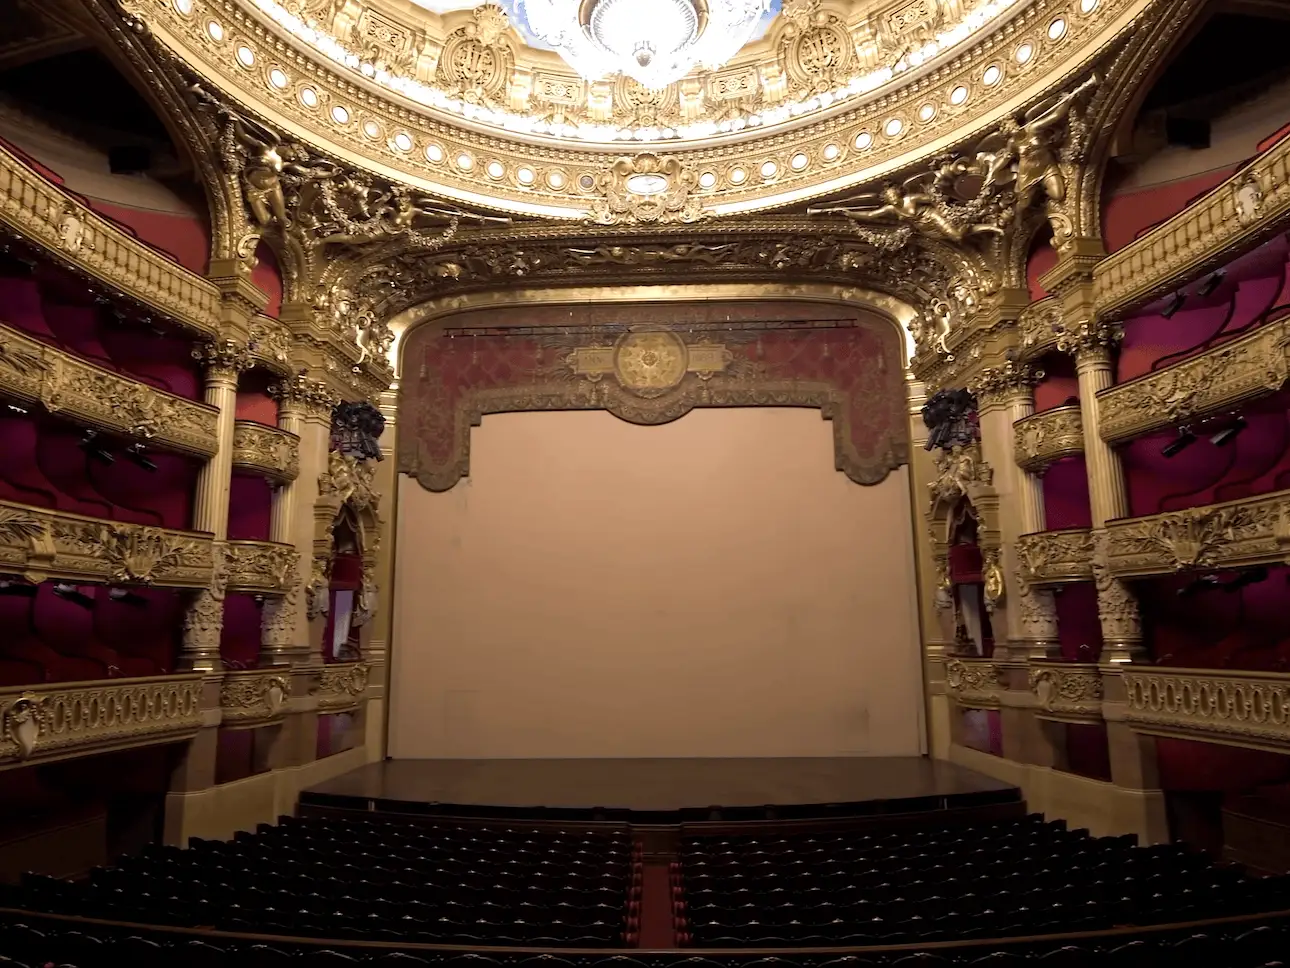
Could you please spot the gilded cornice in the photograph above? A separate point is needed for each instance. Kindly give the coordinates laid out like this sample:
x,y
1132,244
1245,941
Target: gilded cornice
x,y
1234,217
261,567
53,721
932,107
40,544
1239,708
265,450
974,683
1043,438
35,209
252,697
1235,534
1055,557
1067,692
34,372
1252,366
341,686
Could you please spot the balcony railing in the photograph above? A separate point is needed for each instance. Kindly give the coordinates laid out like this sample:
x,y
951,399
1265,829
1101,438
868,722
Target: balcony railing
x,y
1251,206
35,208
341,686
1067,692
1241,708
40,544
58,720
1043,438
264,567
265,450
254,696
1235,534
1056,557
1253,366
32,372
973,682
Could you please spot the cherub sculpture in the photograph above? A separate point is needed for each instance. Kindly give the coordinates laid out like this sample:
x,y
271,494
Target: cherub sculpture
x,y
927,210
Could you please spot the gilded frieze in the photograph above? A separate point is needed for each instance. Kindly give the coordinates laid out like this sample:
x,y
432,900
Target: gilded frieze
x,y
34,372
1055,557
1246,368
341,686
1066,691
264,567
40,544
973,682
1242,708
56,720
1046,437
253,696
1251,531
266,450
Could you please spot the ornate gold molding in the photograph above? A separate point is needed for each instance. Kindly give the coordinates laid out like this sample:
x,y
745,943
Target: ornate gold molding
x,y
32,372
1253,366
266,450
341,686
253,696
1039,326
973,682
261,566
270,344
34,208
40,544
1066,691
1251,206
1239,708
1235,534
58,720
1043,438
1055,557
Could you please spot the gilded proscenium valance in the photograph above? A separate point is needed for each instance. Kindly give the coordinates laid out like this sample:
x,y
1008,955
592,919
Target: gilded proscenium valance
x,y
1055,557
651,372
1048,436
1067,692
36,209
1235,534
1248,208
32,372
1209,383
40,544
1217,705
265,450
56,720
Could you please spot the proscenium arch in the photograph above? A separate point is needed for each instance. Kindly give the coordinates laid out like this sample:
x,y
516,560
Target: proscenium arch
x,y
859,466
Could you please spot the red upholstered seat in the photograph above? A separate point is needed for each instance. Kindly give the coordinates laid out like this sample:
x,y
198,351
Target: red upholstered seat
x,y
22,644
68,628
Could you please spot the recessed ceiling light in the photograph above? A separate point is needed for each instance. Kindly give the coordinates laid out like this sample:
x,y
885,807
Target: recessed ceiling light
x,y
893,127
992,75
496,169
525,176
216,30
799,161
768,169
340,114
371,128
403,141
831,152
707,179
927,112
1057,29
434,153
309,97
958,95
1024,53
465,162
245,56
737,176
278,78
863,140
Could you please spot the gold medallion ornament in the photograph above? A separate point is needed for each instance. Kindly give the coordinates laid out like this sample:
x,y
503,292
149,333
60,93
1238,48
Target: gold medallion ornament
x,y
650,364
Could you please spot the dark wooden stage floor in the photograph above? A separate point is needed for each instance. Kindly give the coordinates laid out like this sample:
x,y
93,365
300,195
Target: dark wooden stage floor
x,y
657,785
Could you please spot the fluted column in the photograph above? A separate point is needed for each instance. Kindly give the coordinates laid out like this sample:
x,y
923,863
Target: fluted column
x,y
224,361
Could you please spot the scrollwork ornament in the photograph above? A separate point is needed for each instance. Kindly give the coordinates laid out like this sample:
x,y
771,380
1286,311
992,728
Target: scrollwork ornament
x,y
24,721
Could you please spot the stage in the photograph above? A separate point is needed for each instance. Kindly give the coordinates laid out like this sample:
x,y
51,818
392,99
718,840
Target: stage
x,y
663,791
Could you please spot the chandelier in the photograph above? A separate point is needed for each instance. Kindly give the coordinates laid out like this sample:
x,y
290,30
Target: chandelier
x,y
654,41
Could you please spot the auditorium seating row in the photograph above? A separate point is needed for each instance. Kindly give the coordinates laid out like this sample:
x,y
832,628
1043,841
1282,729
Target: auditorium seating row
x,y
988,881
374,880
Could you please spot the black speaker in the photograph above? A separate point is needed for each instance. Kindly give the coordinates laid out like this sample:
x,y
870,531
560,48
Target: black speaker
x,y
129,160
1187,132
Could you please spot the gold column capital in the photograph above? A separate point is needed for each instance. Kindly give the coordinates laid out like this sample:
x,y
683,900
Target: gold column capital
x,y
1000,385
302,393
224,358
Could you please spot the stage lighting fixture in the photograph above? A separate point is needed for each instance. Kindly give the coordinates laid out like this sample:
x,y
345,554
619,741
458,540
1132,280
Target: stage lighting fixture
x,y
73,594
138,454
127,597
1215,280
1228,433
1180,443
10,587
94,449
14,408
1251,576
1204,583
1175,303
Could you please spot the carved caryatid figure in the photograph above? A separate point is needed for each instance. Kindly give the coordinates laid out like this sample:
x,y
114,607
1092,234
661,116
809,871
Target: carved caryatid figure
x,y
925,210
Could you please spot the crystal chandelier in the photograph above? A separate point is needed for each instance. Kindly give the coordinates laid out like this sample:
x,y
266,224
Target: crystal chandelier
x,y
654,41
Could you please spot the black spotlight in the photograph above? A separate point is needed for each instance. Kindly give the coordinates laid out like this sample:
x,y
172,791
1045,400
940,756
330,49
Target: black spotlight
x,y
127,597
94,449
10,587
1228,433
1180,443
1204,583
1207,287
1251,576
1175,303
138,454
73,594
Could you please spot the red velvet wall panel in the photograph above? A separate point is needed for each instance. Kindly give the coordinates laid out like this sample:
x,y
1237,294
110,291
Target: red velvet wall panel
x,y
1087,753
1060,385
1042,258
1188,765
239,644
234,755
257,405
1078,629
1066,503
268,276
250,508
182,237
1128,215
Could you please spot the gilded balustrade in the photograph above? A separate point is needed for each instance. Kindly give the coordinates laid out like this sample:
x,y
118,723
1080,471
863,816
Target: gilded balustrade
x,y
1253,366
1046,437
263,567
32,372
1251,206
973,682
40,544
265,450
1240,708
1068,692
34,208
1055,557
1234,534
58,720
